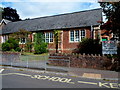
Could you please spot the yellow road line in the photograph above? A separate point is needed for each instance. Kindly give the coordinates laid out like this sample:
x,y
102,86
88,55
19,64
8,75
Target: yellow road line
x,y
87,82
1,70
7,74
23,74
16,74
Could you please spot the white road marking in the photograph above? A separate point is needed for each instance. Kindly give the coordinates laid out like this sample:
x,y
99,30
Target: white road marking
x,y
1,70
17,74
87,82
65,80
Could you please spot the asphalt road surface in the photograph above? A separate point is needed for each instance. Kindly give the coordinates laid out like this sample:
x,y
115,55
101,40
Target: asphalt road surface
x,y
12,78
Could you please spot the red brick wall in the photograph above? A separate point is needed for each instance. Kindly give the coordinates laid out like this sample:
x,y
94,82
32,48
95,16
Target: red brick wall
x,y
68,46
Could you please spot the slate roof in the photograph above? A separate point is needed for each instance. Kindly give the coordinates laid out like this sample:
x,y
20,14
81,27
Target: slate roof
x,y
62,21
5,21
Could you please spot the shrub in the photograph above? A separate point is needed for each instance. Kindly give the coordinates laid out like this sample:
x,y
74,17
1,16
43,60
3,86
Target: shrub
x,y
18,49
6,46
90,46
28,46
39,49
10,45
40,46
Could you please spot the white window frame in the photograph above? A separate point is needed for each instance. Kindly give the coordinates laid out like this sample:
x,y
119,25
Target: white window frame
x,y
4,38
80,37
21,41
49,38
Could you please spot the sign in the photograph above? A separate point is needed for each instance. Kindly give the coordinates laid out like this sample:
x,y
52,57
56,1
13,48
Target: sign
x,y
109,47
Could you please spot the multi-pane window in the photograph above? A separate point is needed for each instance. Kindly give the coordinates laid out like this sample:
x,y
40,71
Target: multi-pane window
x,y
46,37
77,38
49,37
82,34
22,40
71,35
4,38
77,35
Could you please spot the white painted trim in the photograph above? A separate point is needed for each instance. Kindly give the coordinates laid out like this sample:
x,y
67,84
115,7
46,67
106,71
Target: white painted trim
x,y
74,36
4,38
49,37
22,43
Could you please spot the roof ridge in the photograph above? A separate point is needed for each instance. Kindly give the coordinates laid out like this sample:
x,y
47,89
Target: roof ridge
x,y
60,14
68,13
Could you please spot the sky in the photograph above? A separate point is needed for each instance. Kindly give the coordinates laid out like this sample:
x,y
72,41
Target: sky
x,y
39,8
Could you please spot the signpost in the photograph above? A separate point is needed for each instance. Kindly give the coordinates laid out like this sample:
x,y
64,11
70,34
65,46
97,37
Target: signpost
x,y
109,47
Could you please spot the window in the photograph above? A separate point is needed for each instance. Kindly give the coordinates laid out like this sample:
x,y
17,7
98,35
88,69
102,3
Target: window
x,y
77,35
46,37
49,37
4,38
71,35
82,34
22,41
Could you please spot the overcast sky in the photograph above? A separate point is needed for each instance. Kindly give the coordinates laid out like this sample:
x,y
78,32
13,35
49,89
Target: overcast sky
x,y
39,8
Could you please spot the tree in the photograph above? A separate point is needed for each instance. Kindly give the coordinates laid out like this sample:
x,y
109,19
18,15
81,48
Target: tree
x,y
39,45
87,45
1,10
20,35
112,13
56,39
10,14
11,45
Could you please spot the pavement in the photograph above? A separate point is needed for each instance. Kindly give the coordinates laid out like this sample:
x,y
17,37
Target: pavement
x,y
96,74
77,72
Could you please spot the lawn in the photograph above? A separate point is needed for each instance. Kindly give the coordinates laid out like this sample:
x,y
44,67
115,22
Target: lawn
x,y
32,56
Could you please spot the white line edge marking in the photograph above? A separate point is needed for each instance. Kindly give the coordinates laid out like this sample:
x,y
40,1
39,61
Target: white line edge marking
x,y
16,74
2,70
87,82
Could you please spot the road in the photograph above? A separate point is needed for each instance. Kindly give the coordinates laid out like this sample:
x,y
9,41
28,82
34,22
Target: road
x,y
12,78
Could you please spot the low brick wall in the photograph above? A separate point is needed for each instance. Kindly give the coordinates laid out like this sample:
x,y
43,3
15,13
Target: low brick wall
x,y
84,61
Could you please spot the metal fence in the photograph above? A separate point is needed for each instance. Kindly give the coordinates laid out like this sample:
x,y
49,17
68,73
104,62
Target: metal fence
x,y
35,62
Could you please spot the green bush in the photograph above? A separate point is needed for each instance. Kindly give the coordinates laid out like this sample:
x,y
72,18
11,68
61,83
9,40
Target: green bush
x,y
6,46
90,46
28,46
39,49
39,45
18,49
10,45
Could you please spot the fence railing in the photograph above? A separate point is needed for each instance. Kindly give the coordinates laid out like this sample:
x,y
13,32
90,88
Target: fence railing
x,y
57,62
34,61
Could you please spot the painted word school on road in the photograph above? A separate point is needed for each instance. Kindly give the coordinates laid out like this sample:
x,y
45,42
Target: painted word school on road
x,y
67,80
